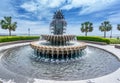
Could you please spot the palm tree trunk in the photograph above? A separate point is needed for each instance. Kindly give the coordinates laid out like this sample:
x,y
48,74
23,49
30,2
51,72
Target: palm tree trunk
x,y
104,34
85,33
111,34
9,32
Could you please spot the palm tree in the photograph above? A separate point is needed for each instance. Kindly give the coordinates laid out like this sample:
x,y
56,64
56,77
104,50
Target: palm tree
x,y
6,23
118,27
86,27
105,27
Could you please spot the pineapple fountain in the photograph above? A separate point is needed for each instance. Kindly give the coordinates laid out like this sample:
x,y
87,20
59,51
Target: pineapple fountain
x,y
58,47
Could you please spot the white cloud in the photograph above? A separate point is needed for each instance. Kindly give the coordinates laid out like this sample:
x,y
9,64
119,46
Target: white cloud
x,y
55,3
89,6
29,6
77,4
41,5
42,8
44,4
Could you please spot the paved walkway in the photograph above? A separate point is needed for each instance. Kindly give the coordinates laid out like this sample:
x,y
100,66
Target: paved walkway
x,y
111,78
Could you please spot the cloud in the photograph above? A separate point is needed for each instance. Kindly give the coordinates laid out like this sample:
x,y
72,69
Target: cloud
x,y
36,14
29,6
42,8
89,6
44,4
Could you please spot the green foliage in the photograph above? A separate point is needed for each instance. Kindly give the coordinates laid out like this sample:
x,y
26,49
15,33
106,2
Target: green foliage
x,y
6,23
94,38
105,26
118,27
86,27
114,41
99,39
16,38
88,38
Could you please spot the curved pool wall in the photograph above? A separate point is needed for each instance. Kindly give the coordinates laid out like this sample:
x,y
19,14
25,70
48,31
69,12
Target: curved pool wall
x,y
56,78
8,74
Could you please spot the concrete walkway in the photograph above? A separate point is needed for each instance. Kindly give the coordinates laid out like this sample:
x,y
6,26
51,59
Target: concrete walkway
x,y
110,78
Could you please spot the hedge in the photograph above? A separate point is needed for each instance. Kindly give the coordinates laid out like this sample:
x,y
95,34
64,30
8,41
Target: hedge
x,y
94,38
114,41
87,38
16,38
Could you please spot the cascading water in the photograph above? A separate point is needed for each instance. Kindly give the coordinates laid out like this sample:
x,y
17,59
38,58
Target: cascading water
x,y
21,63
58,47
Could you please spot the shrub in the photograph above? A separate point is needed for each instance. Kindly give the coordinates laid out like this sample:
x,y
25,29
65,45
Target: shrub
x,y
88,38
94,38
17,38
114,41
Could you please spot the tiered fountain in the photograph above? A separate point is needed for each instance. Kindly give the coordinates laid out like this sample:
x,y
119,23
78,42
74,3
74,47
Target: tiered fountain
x,y
18,61
57,47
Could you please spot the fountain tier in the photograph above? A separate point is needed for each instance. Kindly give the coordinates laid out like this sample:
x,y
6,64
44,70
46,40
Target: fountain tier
x,y
58,39
58,52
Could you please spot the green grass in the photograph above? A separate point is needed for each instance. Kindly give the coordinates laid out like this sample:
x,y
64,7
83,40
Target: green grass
x,y
16,38
99,39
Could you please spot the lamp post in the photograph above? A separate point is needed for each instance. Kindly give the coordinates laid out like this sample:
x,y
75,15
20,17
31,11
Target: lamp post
x,y
28,31
111,34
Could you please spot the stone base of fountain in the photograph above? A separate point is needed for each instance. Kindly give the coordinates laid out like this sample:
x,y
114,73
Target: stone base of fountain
x,y
58,39
45,49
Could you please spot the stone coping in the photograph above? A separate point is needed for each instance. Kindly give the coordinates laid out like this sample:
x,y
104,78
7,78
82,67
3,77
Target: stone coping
x,y
58,38
117,46
110,78
58,50
76,44
93,42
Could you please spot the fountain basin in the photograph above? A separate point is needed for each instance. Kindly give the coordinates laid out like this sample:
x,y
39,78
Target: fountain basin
x,y
58,52
96,63
58,39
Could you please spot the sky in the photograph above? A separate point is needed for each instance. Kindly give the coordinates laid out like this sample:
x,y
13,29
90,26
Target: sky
x,y
37,14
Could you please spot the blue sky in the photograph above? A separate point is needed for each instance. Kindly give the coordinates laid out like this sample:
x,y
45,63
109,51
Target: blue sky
x,y
37,14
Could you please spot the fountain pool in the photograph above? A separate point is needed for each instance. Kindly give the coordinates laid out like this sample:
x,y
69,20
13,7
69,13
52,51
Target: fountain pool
x,y
56,57
94,63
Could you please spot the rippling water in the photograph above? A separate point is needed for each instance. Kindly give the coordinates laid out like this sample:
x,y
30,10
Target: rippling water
x,y
94,63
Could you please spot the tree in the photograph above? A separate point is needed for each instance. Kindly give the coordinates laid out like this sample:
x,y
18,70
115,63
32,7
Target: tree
x,y
6,23
118,27
86,27
105,27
